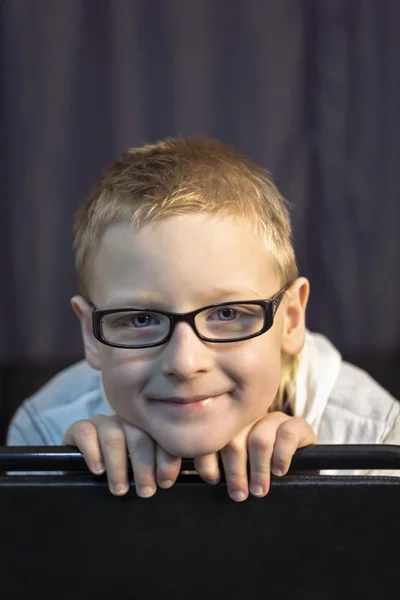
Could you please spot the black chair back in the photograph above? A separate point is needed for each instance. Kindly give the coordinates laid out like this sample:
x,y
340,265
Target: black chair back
x,y
66,537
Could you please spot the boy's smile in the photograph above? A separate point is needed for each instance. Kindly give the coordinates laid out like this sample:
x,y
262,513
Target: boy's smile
x,y
188,403
191,396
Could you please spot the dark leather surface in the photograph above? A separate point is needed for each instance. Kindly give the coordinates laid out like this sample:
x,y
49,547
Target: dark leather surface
x,y
313,537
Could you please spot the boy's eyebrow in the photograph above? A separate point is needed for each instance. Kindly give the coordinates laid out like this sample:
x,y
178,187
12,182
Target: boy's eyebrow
x,y
218,294
213,296
143,299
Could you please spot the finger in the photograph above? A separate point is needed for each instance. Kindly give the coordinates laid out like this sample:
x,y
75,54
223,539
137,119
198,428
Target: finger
x,y
113,444
168,467
260,454
83,434
260,446
292,434
208,468
142,454
234,458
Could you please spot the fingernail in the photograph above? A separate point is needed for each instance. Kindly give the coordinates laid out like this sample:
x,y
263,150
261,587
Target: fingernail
x,y
238,496
145,492
213,481
278,472
99,468
257,490
120,489
166,483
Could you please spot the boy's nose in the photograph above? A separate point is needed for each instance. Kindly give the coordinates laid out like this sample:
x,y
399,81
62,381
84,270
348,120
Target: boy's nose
x,y
185,355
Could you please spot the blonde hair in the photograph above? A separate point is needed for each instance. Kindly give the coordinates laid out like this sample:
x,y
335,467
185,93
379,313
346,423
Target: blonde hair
x,y
183,176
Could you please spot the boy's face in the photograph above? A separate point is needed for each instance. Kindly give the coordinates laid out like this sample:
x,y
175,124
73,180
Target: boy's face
x,y
180,264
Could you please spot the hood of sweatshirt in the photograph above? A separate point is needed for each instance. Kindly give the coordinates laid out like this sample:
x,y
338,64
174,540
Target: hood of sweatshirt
x,y
319,368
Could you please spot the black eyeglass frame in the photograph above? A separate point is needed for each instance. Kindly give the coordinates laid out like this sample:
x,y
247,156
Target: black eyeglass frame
x,y
270,306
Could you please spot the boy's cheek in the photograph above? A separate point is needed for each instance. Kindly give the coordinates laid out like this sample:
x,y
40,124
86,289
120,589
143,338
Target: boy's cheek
x,y
122,383
260,366
261,384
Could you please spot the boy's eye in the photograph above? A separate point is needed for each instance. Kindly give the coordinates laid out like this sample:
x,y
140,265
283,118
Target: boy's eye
x,y
227,314
138,320
141,320
247,316
231,313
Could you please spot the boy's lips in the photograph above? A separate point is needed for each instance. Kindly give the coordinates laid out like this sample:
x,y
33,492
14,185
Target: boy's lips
x,y
182,401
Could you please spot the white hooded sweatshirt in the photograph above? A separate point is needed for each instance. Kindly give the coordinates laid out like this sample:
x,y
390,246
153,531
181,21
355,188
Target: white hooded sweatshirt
x,y
342,403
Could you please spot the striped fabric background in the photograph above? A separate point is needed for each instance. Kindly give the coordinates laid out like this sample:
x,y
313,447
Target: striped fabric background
x,y
309,88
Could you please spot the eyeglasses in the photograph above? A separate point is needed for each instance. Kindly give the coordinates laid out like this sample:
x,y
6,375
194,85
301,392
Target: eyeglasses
x,y
219,323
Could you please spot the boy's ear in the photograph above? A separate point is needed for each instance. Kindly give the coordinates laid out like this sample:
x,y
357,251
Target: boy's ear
x,y
84,313
294,327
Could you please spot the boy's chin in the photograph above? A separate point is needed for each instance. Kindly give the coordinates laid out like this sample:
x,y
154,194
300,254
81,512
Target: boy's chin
x,y
191,448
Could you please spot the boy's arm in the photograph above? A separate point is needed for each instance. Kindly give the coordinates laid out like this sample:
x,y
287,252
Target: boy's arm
x,y
268,444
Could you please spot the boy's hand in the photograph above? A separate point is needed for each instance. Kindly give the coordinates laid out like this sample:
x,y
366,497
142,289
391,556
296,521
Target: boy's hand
x,y
269,444
105,443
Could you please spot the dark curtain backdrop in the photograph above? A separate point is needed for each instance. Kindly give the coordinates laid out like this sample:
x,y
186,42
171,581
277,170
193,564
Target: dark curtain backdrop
x,y
309,88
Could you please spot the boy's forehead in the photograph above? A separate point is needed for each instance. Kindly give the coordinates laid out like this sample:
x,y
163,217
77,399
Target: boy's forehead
x,y
197,235
206,259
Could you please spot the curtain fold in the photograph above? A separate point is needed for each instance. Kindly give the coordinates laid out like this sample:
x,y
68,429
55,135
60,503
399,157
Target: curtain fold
x,y
309,89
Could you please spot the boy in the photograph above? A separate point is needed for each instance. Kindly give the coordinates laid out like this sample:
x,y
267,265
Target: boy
x,y
193,312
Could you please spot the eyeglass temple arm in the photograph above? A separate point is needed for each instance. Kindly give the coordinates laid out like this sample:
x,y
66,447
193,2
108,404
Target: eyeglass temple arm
x,y
277,299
